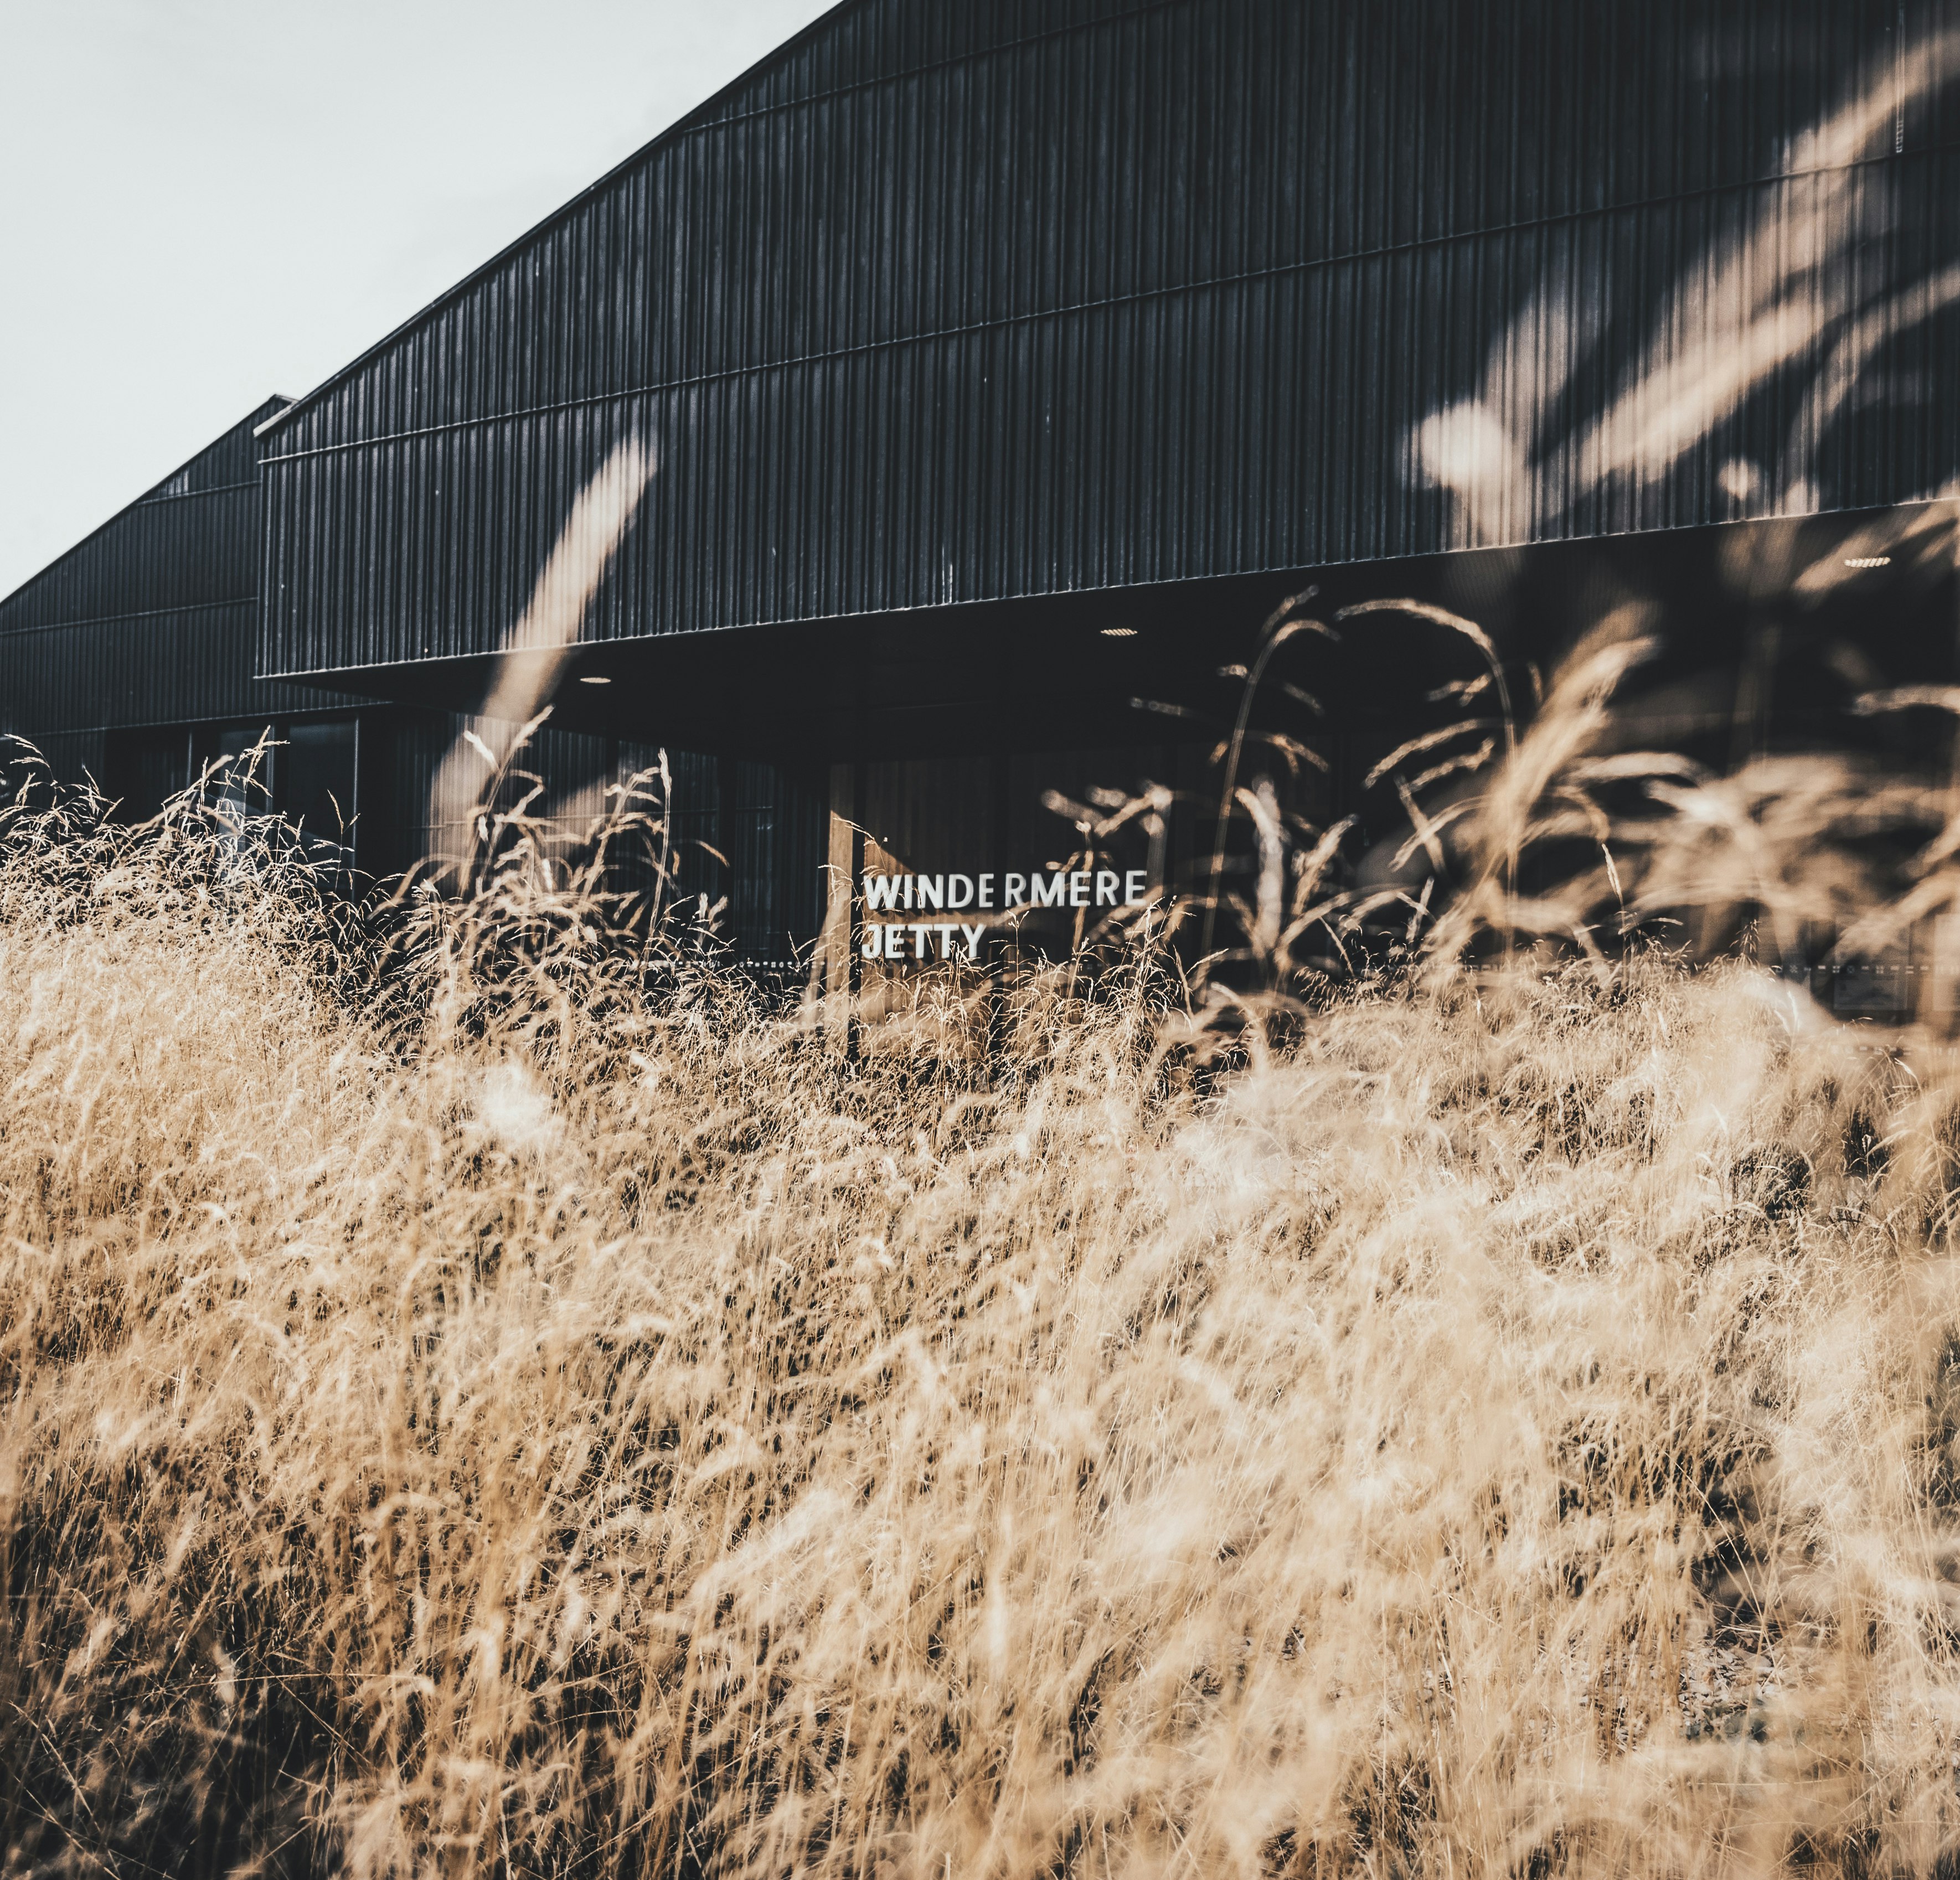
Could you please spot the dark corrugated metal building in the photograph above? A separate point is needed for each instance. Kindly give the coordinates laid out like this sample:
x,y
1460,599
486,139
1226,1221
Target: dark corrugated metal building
x,y
128,657
962,304
131,660
1000,363
962,334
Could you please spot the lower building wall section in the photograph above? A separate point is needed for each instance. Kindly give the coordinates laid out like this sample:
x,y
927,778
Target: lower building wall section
x,y
741,842
74,756
733,846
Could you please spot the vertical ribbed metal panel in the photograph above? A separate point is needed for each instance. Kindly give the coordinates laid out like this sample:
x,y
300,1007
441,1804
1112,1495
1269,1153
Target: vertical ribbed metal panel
x,y
167,667
191,541
149,627
750,837
954,302
152,620
434,801
71,755
747,837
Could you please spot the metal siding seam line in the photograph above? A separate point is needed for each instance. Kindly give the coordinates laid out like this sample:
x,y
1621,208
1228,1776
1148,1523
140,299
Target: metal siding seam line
x,y
954,507
885,283
1375,408
448,501
1357,488
1556,482
1054,174
751,498
291,557
1101,82
914,465
1332,474
1258,481
617,323
971,534
1279,503
509,535
363,548
403,518
1896,426
1155,511
457,466
968,524
1020,368
264,583
340,472
687,420
1108,498
1047,477
1592,369
291,599
855,471
1078,458
667,595
1000,461
457,463
368,542
1209,458
863,407
436,501
718,437
767,238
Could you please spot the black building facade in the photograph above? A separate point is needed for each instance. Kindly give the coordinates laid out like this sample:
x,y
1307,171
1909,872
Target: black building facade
x,y
962,305
983,368
132,662
131,658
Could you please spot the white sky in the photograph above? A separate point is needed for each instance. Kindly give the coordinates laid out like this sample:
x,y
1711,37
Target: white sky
x,y
205,201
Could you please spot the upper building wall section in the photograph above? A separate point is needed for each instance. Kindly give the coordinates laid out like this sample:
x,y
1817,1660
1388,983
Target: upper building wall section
x,y
152,620
920,166
961,302
191,541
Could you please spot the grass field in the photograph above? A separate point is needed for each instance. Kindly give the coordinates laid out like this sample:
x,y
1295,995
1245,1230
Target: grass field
x,y
1473,1390
473,1413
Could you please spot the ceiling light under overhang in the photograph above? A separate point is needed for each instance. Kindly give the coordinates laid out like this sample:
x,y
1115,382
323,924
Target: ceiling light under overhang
x,y
593,678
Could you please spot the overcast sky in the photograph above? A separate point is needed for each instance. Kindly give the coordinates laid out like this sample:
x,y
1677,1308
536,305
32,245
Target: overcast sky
x,y
205,201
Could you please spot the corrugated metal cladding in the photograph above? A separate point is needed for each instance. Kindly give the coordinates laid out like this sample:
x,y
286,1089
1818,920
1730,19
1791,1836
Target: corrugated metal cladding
x,y
131,660
745,839
957,302
152,620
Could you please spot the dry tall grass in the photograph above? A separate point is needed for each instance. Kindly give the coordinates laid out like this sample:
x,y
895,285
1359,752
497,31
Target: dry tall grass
x,y
480,1399
550,1419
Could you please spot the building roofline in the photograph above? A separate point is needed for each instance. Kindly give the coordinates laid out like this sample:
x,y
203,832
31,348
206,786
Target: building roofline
x,y
148,495
689,121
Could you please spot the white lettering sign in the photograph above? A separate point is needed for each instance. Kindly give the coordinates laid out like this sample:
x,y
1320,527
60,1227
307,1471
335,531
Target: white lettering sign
x,y
957,939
